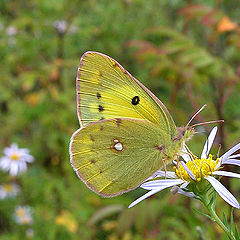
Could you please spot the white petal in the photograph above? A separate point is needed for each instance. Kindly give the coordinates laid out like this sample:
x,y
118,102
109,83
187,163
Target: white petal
x,y
151,177
7,151
188,170
226,174
184,185
235,156
146,195
30,158
160,173
232,161
223,192
5,163
162,183
209,143
3,194
14,146
169,174
225,156
13,171
22,167
185,193
23,151
174,162
27,157
185,155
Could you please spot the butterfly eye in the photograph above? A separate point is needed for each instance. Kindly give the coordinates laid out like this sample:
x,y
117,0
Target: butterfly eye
x,y
135,100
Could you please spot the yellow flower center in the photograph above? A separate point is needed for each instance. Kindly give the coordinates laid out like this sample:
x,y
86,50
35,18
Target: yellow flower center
x,y
15,156
25,220
8,187
21,212
199,167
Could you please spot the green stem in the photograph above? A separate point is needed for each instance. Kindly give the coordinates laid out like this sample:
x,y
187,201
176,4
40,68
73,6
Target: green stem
x,y
216,219
220,223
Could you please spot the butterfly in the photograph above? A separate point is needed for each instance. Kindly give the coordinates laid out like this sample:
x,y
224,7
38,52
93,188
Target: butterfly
x,y
126,133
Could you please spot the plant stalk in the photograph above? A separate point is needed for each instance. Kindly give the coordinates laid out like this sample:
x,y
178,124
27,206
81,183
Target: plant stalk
x,y
211,209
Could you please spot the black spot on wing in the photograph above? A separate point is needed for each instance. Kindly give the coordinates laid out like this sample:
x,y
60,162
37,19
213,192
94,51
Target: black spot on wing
x,y
99,95
135,100
100,108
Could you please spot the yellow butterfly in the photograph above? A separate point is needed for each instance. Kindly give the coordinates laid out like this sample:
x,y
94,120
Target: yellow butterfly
x,y
126,132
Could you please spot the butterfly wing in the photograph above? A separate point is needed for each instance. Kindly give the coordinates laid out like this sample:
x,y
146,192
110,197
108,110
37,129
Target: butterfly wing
x,y
114,156
106,90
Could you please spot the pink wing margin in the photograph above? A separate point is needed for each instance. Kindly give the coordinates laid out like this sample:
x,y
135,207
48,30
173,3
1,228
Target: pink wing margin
x,y
124,70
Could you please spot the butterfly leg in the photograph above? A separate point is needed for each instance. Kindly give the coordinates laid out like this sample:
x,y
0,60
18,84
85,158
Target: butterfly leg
x,y
178,166
178,161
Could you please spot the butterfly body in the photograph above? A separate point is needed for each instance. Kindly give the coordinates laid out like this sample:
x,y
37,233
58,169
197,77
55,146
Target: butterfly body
x,y
126,132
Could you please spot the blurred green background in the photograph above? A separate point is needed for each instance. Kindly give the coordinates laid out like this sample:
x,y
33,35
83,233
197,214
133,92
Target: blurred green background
x,y
185,52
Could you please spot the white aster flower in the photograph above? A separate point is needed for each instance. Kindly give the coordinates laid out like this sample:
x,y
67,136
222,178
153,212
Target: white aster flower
x,y
15,159
9,190
60,26
23,215
195,170
11,31
29,233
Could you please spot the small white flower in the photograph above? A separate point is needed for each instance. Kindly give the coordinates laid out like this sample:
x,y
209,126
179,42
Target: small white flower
x,y
29,233
23,215
9,190
61,26
193,169
11,31
15,159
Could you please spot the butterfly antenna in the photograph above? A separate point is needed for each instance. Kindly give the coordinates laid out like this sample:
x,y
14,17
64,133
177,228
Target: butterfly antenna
x,y
210,122
196,114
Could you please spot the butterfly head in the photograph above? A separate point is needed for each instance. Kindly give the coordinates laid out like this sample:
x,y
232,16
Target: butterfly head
x,y
185,133
189,132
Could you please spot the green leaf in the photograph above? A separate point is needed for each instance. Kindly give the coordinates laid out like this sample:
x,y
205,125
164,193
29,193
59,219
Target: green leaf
x,y
204,214
237,235
231,220
225,220
213,200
